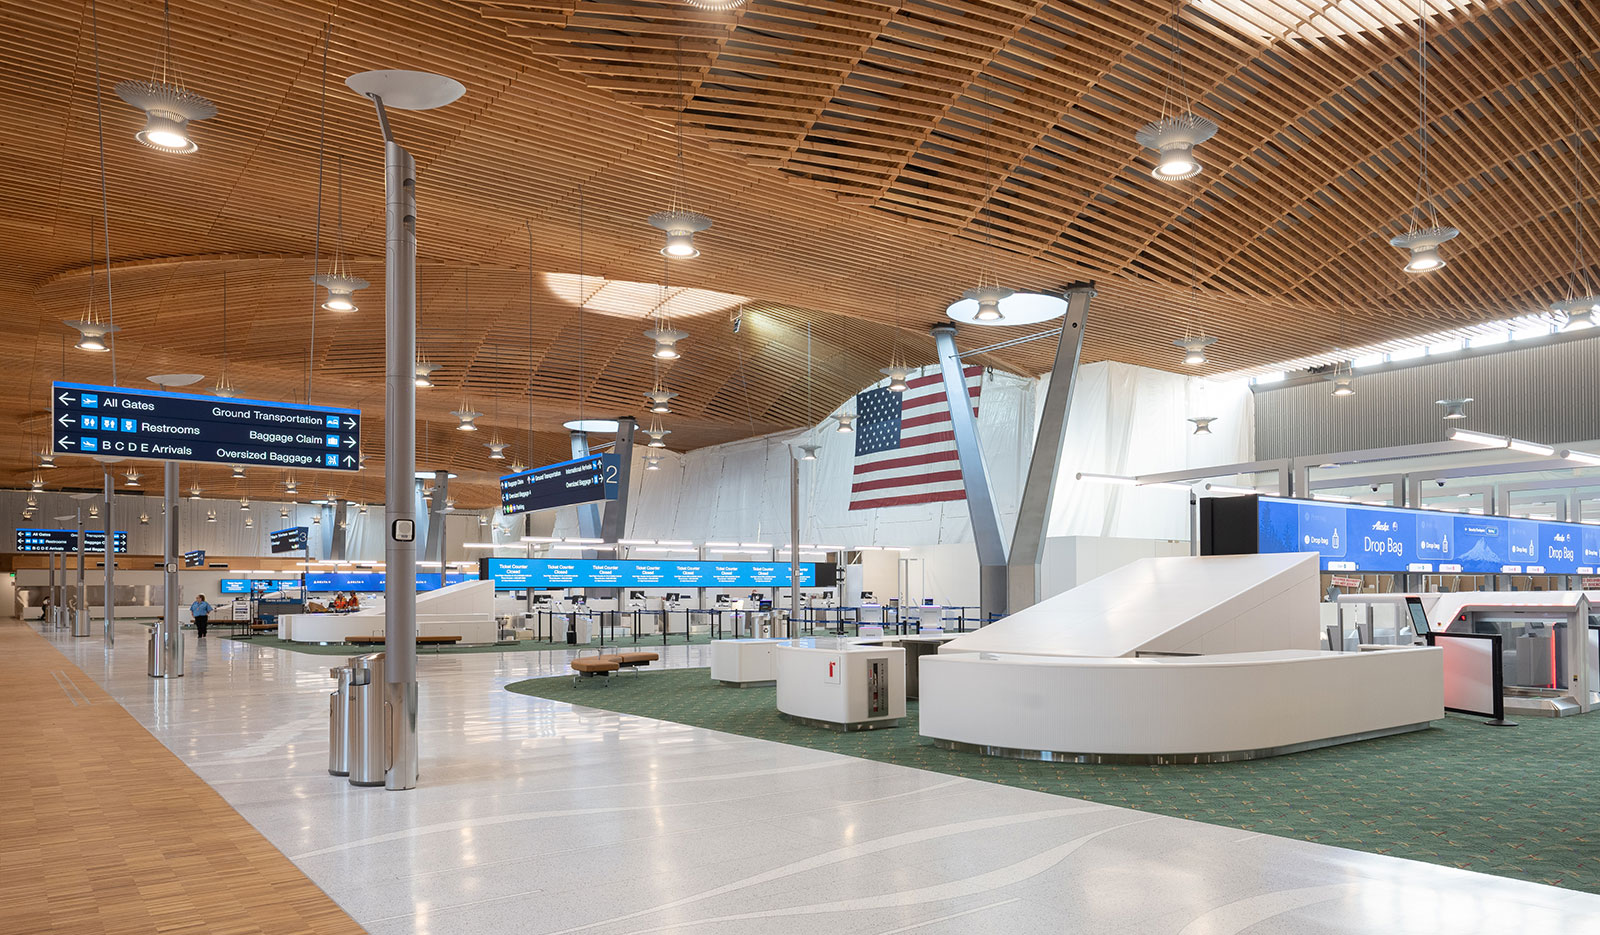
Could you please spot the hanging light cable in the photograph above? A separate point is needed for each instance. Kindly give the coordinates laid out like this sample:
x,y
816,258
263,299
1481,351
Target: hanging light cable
x,y
678,223
92,332
316,250
341,285
1581,303
1424,235
466,414
223,387
1194,341
168,105
1174,136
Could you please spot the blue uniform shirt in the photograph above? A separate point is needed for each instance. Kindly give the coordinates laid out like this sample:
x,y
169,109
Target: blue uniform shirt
x,y
200,609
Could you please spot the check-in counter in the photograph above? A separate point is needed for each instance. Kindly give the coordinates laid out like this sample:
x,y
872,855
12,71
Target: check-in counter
x,y
841,685
744,662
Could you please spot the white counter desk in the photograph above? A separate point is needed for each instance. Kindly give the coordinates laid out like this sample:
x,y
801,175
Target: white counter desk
x,y
841,685
745,662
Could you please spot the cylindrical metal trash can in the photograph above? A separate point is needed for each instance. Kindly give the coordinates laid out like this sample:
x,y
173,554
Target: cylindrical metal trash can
x,y
80,620
339,722
366,739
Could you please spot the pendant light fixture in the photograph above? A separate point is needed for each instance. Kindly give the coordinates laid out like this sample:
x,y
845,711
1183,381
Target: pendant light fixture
x,y
1424,233
249,522
283,512
657,434
1202,424
340,283
47,460
1194,341
37,483
94,511
144,519
1454,408
168,105
897,378
1194,349
652,462
809,452
244,504
1342,383
224,388
1175,134
678,223
238,472
846,422
517,467
659,398
132,478
1578,309
291,486
194,492
497,448
425,372
666,342
466,414
211,516
92,332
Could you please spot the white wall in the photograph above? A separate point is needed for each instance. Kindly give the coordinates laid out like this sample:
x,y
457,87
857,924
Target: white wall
x,y
949,573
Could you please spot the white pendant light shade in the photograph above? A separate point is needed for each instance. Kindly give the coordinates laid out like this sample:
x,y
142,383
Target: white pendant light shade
x,y
361,509
194,493
809,452
224,388
666,341
291,486
37,483
1194,349
988,299
517,467
659,400
144,519
1174,139
497,449
92,335
680,228
249,522
1454,408
1342,386
341,291
283,512
1202,424
1423,247
897,378
846,423
47,460
652,463
657,437
211,516
238,472
244,504
1577,312
716,5
316,519
94,511
168,110
465,416
425,373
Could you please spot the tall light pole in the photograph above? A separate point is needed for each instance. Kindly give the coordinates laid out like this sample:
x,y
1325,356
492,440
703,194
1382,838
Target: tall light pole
x,y
401,90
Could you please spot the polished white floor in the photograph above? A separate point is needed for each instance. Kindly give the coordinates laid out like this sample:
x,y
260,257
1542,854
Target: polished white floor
x,y
539,817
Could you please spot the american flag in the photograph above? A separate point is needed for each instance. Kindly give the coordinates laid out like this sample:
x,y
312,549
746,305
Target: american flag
x,y
905,449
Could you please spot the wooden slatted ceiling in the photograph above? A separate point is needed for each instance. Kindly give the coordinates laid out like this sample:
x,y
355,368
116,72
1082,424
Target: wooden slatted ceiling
x,y
855,155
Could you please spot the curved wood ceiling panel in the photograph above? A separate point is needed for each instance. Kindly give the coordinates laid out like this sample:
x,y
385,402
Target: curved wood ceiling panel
x,y
856,157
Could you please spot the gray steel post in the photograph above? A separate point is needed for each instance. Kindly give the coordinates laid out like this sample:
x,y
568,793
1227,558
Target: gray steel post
x,y
588,513
166,662
1039,490
341,535
794,544
80,615
111,564
400,456
50,589
434,548
614,525
975,478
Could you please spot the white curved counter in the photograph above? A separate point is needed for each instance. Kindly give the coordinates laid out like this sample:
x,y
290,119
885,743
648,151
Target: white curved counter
x,y
1178,708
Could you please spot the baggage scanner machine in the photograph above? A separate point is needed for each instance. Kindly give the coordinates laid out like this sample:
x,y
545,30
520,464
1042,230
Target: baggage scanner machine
x,y
1545,645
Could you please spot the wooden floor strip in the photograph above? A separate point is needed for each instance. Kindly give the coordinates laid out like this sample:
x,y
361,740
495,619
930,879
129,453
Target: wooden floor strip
x,y
104,830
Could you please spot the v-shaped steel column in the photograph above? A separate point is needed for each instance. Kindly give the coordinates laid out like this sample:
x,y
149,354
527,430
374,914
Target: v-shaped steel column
x,y
974,477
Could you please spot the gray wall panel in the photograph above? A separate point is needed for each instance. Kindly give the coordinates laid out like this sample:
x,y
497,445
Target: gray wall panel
x,y
1546,393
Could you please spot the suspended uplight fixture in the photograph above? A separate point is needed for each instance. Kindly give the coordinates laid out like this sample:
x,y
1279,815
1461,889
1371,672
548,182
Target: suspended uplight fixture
x,y
652,462
244,504
1342,385
1202,424
659,398
144,519
1454,408
94,511
657,435
1175,134
47,460
425,371
497,448
718,6
316,519
678,222
341,284
168,105
92,332
361,508
291,486
1578,309
1194,349
1424,233
466,414
37,483
249,522
666,341
809,452
283,512
897,378
132,478
211,516
32,501
224,388
846,422
238,472
194,492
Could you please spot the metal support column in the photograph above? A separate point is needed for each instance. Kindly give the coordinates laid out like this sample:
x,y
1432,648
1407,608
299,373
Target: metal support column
x,y
794,547
400,457
1038,492
80,614
166,657
975,478
50,589
434,549
614,524
341,531
111,564
588,513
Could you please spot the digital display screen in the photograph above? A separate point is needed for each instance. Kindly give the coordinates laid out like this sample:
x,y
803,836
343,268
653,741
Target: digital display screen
x,y
1419,617
292,539
581,480
163,425
195,559
327,582
66,540
1390,539
246,585
517,573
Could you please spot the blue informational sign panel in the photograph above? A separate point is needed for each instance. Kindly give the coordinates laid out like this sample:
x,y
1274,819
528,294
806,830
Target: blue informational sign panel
x,y
195,559
517,573
581,480
66,540
369,582
292,539
1389,539
166,426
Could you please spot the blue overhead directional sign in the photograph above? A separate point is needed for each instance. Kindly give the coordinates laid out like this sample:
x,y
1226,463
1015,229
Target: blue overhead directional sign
x,y
292,539
581,480
66,540
166,426
511,573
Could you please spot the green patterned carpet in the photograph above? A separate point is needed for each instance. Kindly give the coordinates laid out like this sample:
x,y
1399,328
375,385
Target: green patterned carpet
x,y
1521,802
523,646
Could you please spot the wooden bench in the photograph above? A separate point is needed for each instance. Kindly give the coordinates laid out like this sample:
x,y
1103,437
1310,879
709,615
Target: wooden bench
x,y
604,664
261,627
421,640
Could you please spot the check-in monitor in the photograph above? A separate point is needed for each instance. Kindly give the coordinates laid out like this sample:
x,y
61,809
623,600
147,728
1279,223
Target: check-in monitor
x,y
635,595
1419,617
722,598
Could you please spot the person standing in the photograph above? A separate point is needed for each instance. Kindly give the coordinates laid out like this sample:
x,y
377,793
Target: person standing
x,y
201,611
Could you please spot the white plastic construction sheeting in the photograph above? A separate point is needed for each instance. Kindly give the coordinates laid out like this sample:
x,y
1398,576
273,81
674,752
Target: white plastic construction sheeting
x,y
1124,420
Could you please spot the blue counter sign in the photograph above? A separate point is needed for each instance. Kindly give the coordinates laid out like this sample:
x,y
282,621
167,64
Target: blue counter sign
x,y
166,426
